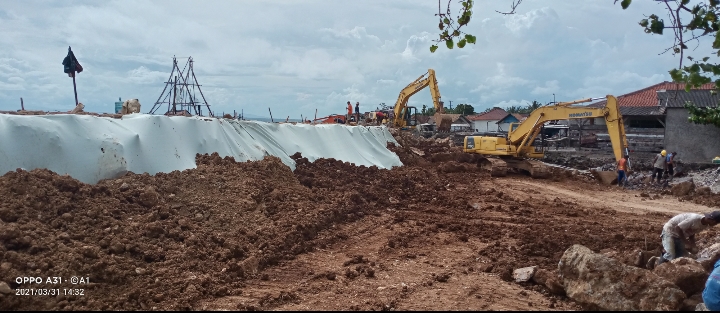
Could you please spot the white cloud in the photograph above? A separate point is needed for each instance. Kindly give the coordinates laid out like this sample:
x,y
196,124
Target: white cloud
x,y
414,44
357,32
142,75
493,88
549,88
544,19
270,53
303,96
11,86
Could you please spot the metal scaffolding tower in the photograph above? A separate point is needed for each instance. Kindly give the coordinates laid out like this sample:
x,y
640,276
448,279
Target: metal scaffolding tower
x,y
180,97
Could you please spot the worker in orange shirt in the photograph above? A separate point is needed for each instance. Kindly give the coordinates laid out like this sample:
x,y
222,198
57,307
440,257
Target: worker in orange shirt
x,y
349,110
622,168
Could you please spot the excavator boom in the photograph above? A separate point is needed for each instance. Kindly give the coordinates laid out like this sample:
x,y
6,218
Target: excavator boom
x,y
520,134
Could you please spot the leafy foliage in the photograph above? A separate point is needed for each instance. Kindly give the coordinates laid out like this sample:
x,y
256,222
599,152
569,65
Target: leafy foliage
x,y
464,109
427,111
450,27
703,21
703,115
520,109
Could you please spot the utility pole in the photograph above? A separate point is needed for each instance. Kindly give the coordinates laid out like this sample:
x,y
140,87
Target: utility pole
x,y
450,104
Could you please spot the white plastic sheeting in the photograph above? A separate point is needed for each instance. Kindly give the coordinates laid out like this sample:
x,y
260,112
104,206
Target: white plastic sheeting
x,y
91,148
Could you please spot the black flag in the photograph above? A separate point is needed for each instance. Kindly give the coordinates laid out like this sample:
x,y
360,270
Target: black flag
x,y
71,64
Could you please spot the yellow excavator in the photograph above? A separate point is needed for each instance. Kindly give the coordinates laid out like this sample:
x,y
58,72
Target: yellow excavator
x,y
515,149
405,116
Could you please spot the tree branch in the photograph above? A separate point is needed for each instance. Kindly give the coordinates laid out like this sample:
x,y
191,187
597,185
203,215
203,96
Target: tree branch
x,y
514,6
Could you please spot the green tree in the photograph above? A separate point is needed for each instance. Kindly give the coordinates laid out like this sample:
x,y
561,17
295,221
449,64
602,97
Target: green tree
x,y
424,110
451,26
464,109
688,22
430,111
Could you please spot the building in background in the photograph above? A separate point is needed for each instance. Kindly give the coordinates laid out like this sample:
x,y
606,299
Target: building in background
x,y
695,143
488,121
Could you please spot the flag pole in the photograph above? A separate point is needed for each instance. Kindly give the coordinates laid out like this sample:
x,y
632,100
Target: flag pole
x,y
75,88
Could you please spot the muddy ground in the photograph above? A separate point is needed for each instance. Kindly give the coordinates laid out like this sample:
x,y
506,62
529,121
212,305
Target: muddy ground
x,y
438,233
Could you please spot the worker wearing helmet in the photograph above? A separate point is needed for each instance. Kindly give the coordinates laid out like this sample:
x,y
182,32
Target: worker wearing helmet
x,y
659,166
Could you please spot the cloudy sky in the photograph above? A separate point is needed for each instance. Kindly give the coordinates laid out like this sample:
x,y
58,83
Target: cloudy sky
x,y
295,56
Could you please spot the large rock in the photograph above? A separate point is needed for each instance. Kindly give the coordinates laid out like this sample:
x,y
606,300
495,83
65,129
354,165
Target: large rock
x,y
683,189
685,273
708,256
599,282
549,280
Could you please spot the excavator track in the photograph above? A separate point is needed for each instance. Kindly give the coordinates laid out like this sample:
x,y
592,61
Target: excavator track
x,y
497,167
536,168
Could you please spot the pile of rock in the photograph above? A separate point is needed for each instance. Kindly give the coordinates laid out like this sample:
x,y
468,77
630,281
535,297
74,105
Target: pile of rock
x,y
708,178
612,281
599,281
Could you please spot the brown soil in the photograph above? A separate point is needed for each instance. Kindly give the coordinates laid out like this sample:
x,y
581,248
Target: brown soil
x,y
437,234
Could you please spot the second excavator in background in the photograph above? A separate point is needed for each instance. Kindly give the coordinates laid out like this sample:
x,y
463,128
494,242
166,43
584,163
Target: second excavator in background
x,y
517,149
405,117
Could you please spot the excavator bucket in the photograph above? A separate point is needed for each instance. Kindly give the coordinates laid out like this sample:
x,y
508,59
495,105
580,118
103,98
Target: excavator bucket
x,y
443,122
605,177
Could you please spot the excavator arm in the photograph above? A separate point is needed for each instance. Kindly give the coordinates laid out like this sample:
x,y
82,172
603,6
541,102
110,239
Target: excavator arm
x,y
425,80
524,133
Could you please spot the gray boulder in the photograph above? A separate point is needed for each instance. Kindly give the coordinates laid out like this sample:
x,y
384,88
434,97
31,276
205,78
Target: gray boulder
x,y
599,282
708,256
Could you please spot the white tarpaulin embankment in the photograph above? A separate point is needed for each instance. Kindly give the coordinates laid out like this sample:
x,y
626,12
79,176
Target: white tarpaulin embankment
x,y
91,148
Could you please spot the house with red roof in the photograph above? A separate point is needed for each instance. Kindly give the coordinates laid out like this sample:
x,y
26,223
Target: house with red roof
x,y
488,121
655,119
641,108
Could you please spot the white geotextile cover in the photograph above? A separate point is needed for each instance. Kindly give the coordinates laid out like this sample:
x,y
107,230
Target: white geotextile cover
x,y
91,148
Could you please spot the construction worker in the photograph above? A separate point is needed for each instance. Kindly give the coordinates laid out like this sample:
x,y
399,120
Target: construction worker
x,y
357,111
711,293
622,168
670,164
680,231
659,165
349,110
380,116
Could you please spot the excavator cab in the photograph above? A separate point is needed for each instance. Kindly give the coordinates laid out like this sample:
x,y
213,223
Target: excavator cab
x,y
410,117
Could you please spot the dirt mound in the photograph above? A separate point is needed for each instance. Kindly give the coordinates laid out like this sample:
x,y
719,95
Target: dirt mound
x,y
159,241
